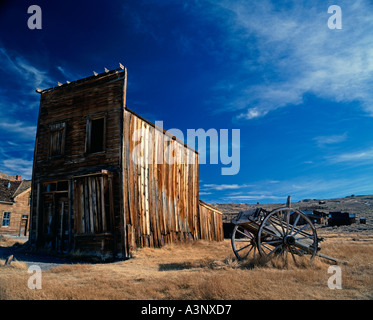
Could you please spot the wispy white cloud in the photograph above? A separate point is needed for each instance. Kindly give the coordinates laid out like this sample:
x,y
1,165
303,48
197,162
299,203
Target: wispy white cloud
x,y
299,188
293,52
253,197
17,166
360,156
30,76
220,187
20,128
18,103
204,193
69,76
331,139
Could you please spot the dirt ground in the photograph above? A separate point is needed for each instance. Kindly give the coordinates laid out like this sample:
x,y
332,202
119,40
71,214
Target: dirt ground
x,y
200,270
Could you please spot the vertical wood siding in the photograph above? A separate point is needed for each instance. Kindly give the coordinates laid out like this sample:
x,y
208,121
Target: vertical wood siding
x,y
161,186
211,222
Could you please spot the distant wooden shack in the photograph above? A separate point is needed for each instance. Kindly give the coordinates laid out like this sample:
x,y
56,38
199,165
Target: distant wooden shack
x,y
14,205
341,218
106,180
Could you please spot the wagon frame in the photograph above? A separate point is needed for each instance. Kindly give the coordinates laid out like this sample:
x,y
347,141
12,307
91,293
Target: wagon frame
x,y
281,232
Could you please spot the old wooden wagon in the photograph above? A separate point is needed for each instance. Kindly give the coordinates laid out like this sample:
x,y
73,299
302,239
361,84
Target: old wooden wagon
x,y
281,232
106,180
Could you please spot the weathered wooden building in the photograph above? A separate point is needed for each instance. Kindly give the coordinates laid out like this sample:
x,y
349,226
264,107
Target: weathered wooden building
x,y
105,180
14,205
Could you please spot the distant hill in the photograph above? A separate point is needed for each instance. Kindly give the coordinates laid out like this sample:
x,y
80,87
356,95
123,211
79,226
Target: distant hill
x,y
360,205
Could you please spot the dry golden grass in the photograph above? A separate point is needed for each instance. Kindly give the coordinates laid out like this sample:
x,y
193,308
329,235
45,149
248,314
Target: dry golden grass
x,y
7,241
202,270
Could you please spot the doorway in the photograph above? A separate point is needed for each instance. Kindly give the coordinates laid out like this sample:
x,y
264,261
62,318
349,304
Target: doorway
x,y
56,225
23,226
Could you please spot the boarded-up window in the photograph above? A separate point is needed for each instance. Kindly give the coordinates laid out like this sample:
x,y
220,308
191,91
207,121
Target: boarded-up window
x,y
57,139
93,204
6,219
95,134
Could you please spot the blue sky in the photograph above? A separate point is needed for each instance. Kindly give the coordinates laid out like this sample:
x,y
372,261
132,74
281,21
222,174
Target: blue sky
x,y
300,93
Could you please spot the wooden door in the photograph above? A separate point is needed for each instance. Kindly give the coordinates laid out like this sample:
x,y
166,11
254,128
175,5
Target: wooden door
x,y
62,223
23,227
56,221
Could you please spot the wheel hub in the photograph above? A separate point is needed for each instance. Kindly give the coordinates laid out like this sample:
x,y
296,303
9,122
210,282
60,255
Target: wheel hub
x,y
289,240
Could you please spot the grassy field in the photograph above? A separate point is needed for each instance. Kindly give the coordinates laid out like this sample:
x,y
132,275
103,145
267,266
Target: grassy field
x,y
202,270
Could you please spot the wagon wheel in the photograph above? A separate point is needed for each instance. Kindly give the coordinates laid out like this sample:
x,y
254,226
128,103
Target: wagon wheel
x,y
243,243
287,231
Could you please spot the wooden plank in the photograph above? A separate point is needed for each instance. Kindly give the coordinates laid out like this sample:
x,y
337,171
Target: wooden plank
x,y
142,178
86,207
172,192
37,223
168,191
102,204
93,197
124,207
196,184
137,173
160,177
126,162
82,226
133,180
153,187
146,178
90,204
112,214
165,173
70,212
128,153
184,190
98,204
61,213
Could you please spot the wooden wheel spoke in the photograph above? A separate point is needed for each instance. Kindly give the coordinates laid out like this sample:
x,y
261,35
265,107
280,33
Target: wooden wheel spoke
x,y
299,230
297,251
295,223
275,249
273,241
245,234
307,237
282,226
245,248
292,254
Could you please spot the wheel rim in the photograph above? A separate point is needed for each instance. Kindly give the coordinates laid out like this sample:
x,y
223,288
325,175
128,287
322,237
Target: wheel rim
x,y
243,243
287,232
